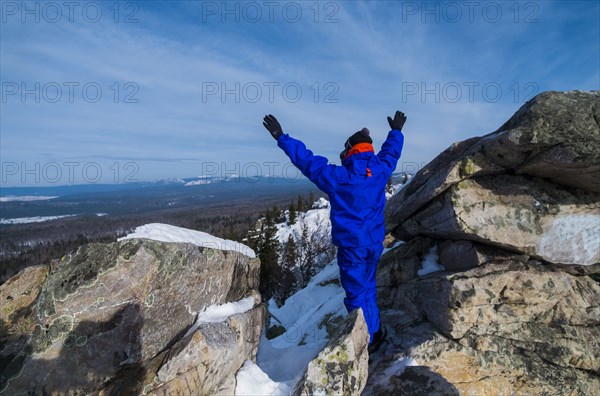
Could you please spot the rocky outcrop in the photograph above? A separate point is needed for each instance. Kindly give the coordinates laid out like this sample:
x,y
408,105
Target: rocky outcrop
x,y
341,368
517,213
112,319
555,135
207,363
514,218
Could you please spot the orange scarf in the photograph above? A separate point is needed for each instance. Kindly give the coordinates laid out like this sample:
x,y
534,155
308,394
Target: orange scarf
x,y
360,148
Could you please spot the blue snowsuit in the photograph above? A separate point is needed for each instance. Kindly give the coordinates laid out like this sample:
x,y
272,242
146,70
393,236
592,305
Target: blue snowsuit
x,y
356,192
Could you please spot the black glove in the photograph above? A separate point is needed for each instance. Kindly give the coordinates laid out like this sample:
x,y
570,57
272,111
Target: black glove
x,y
398,122
273,126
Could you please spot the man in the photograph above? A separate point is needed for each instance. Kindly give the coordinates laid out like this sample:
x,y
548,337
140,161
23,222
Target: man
x,y
356,191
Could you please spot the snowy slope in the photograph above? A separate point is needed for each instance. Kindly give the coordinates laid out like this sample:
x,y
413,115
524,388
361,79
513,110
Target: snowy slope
x,y
281,361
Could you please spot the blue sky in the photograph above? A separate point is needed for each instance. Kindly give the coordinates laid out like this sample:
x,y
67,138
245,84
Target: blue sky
x,y
184,85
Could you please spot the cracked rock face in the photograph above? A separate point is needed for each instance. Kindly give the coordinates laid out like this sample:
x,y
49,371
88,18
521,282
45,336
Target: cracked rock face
x,y
341,368
504,326
528,215
514,217
101,317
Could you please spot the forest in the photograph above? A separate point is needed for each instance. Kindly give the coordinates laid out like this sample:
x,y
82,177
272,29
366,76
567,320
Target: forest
x,y
23,245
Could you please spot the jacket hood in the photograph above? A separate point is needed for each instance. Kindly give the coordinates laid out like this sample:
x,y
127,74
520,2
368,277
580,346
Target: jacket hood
x,y
358,163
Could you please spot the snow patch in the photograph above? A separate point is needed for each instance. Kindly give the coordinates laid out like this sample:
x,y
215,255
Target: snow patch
x,y
251,381
197,182
322,203
169,233
394,246
26,198
395,369
398,366
316,221
36,219
572,239
220,313
430,263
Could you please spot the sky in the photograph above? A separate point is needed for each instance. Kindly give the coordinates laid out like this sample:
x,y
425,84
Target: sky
x,y
114,92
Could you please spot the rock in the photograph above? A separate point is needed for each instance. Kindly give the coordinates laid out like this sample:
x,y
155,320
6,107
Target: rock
x,y
341,368
515,218
458,162
18,296
531,216
463,254
442,366
207,363
105,312
401,263
504,326
508,293
556,135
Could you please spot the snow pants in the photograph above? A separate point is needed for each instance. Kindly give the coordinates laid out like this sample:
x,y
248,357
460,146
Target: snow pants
x,y
358,267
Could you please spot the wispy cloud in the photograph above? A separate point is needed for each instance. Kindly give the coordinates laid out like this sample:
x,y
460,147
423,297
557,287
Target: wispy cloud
x,y
352,73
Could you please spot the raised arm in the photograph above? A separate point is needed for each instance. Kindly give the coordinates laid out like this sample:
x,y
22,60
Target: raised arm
x,y
314,167
392,147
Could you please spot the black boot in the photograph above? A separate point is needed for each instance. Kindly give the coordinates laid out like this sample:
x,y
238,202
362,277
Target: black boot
x,y
378,339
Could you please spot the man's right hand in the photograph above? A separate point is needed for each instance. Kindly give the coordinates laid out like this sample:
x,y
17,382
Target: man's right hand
x,y
398,122
273,126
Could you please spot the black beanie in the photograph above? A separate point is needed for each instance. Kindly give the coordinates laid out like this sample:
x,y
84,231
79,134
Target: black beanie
x,y
361,136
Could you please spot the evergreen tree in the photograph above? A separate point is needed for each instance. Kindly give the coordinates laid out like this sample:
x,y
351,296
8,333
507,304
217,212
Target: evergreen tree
x,y
268,253
307,259
290,255
292,210
300,204
287,281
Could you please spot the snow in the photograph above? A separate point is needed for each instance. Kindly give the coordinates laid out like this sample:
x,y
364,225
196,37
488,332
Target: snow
x,y
284,358
394,188
220,313
383,378
170,233
572,239
35,219
197,182
26,198
430,263
251,381
315,220
398,366
394,246
321,203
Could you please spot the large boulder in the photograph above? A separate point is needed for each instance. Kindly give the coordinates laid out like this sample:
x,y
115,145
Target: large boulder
x,y
503,326
341,368
110,314
512,305
556,135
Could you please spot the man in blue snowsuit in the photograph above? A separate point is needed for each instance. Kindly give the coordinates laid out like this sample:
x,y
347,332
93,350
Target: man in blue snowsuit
x,y
356,191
